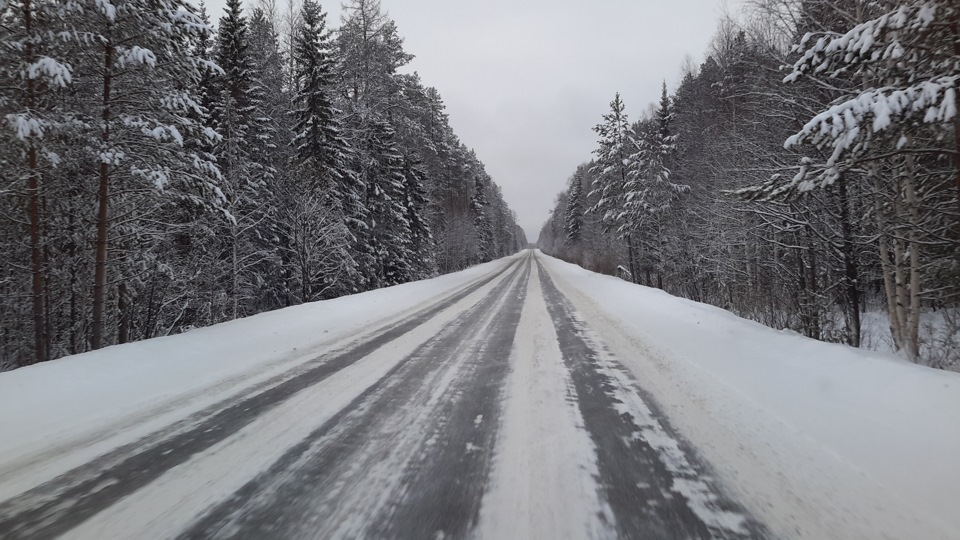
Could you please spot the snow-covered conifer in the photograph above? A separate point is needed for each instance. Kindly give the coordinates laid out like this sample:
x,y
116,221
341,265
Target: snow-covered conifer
x,y
574,212
613,165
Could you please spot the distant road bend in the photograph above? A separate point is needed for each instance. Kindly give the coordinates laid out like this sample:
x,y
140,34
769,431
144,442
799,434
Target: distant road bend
x,y
492,412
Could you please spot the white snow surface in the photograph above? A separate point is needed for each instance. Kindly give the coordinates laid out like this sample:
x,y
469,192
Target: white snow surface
x,y
817,440
57,415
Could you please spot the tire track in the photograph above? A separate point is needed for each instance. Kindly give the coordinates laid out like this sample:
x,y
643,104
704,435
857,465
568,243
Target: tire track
x,y
441,493
650,478
347,478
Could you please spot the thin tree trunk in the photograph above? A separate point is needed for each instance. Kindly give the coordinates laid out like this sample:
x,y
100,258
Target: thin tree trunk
x,y
306,289
851,269
660,263
123,307
956,139
900,292
103,199
33,204
36,256
803,293
49,331
152,310
74,270
888,266
914,251
956,106
235,277
891,294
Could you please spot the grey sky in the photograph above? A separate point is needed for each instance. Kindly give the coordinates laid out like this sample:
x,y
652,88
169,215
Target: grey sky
x,y
524,81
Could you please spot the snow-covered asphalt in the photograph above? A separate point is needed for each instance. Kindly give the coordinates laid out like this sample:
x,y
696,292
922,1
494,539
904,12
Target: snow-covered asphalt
x,y
495,411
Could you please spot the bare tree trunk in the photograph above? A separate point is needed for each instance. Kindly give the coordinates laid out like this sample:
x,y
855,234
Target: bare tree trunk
x,y
815,330
913,330
74,342
956,106
891,293
103,199
74,270
956,138
890,267
33,205
49,331
36,256
123,307
660,263
152,312
851,269
235,274
803,292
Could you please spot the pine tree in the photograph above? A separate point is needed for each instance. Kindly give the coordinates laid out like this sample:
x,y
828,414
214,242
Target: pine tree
x,y
146,76
31,71
192,180
370,52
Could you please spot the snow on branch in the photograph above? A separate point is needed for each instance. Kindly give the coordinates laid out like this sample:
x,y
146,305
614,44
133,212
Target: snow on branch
x,y
880,39
137,55
842,124
910,71
25,126
107,8
54,72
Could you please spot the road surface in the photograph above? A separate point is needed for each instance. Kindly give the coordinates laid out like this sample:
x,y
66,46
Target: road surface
x,y
493,412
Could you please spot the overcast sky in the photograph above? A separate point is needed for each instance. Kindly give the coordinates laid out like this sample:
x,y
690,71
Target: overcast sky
x,y
524,81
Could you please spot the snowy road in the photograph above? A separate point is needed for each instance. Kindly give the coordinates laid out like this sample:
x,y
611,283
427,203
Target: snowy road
x,y
512,400
492,412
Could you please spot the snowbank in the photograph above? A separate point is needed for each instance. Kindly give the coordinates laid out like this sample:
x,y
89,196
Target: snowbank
x,y
819,440
89,400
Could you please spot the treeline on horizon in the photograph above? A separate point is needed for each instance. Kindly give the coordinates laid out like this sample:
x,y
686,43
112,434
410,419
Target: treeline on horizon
x,y
159,175
807,172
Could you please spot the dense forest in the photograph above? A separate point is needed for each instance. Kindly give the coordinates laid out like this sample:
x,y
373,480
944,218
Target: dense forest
x,y
161,172
805,175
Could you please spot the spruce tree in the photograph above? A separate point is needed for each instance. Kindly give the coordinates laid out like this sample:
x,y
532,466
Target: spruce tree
x,y
482,222
323,184
649,189
386,239
421,249
574,214
209,70
321,147
612,166
243,155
